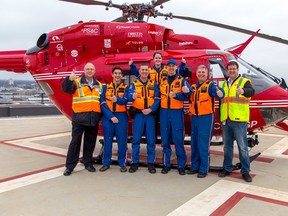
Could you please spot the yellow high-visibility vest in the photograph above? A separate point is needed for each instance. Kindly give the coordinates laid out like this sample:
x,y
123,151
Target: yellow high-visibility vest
x,y
234,106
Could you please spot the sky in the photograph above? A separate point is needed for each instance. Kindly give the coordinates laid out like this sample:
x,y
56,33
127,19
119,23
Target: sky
x,y
22,22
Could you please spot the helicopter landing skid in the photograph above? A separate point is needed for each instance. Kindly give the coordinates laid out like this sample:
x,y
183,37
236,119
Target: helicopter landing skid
x,y
98,160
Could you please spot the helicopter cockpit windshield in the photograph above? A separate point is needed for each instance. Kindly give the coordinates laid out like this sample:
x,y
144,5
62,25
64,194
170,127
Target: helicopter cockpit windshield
x,y
260,80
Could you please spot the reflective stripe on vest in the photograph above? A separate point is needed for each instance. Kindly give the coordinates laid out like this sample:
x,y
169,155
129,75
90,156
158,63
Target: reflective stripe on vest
x,y
155,76
201,103
119,91
233,105
145,94
85,99
165,88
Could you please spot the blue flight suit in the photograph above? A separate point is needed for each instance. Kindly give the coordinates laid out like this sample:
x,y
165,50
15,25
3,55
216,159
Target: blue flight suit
x,y
147,122
110,129
172,125
202,129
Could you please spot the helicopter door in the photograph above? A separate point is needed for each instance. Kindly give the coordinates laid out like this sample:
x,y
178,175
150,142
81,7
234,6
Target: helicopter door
x,y
217,70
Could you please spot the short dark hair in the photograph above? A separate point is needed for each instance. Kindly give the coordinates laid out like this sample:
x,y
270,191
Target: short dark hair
x,y
232,63
144,64
155,53
117,68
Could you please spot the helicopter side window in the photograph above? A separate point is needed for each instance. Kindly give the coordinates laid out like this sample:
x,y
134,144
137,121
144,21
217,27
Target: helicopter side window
x,y
217,69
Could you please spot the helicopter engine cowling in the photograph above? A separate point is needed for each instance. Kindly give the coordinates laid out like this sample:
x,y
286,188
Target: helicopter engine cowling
x,y
41,44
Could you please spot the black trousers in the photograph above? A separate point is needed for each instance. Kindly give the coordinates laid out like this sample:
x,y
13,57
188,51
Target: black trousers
x,y
90,136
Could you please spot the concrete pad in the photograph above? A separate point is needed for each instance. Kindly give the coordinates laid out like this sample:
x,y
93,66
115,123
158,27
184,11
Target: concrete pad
x,y
33,152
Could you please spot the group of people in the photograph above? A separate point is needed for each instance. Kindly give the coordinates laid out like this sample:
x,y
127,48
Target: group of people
x,y
159,92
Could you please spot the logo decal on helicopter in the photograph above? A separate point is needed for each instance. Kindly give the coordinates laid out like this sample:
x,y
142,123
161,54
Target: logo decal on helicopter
x,y
107,43
134,43
55,38
74,53
127,27
135,34
185,43
91,29
59,47
157,33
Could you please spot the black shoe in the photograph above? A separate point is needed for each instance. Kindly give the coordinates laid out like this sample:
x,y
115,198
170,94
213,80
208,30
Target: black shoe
x,y
90,168
191,172
67,172
224,173
247,177
133,168
181,171
104,168
165,170
201,175
123,169
151,168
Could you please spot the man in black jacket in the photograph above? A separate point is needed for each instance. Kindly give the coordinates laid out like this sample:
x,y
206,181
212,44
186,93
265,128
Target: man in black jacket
x,y
86,114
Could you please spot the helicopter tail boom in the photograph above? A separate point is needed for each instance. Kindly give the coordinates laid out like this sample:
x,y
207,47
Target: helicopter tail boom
x,y
13,61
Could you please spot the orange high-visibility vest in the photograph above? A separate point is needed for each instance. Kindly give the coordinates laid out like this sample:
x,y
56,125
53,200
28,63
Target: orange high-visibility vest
x,y
165,88
155,76
119,91
85,99
201,103
145,93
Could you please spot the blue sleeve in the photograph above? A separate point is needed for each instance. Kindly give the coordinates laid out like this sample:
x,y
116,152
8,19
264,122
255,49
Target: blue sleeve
x,y
131,92
123,100
182,69
184,96
156,103
104,108
134,70
212,91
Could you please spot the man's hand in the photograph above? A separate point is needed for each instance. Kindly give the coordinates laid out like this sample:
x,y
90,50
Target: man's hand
x,y
72,76
172,94
130,62
240,91
114,120
185,89
183,60
146,111
218,92
135,95
113,99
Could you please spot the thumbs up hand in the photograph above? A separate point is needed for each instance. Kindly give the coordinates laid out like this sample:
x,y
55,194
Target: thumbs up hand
x,y
183,60
72,76
185,89
240,91
218,92
135,95
113,98
172,94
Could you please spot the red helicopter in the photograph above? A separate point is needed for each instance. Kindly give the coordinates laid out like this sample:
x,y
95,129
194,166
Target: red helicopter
x,y
107,44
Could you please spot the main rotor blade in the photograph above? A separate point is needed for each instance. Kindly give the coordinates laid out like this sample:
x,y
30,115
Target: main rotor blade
x,y
232,28
160,2
92,2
